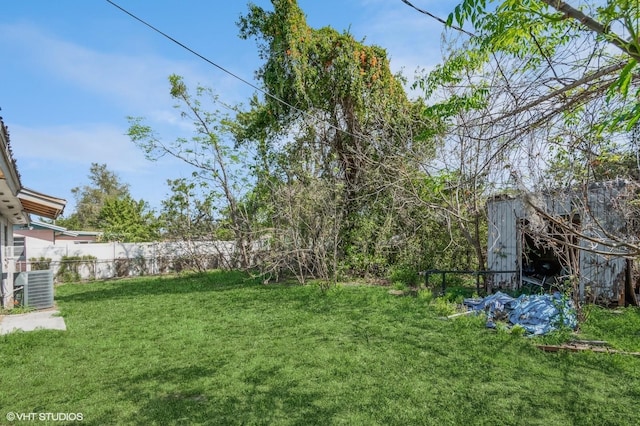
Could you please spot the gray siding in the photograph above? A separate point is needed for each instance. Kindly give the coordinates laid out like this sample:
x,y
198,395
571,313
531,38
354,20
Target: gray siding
x,y
504,242
602,278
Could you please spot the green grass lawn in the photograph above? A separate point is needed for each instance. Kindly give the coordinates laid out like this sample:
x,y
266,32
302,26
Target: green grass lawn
x,y
221,349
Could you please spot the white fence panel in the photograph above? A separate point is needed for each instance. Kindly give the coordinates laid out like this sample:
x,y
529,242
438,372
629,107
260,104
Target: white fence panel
x,y
109,260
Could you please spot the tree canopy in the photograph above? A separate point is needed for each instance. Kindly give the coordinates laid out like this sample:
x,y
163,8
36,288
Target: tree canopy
x,y
332,168
336,122
106,205
103,185
579,53
127,220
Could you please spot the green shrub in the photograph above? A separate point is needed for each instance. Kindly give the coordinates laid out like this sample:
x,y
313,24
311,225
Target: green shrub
x,y
359,264
458,294
442,307
40,264
425,294
404,274
70,265
399,285
518,330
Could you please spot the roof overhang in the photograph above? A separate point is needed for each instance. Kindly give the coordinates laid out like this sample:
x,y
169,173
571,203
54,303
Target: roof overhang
x,y
17,202
41,204
10,206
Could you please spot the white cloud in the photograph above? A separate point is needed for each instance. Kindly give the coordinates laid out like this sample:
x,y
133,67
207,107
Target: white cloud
x,y
57,158
115,76
132,81
79,144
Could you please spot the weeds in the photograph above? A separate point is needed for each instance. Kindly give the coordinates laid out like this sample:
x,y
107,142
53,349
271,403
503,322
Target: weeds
x,y
443,307
18,309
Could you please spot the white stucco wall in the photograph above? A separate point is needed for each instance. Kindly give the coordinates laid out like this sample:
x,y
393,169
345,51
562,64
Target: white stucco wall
x,y
150,258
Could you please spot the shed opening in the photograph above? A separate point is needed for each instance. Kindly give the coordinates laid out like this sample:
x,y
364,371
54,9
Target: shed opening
x,y
549,256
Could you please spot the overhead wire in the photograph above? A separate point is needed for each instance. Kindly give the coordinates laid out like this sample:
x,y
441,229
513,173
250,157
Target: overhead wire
x,y
225,70
437,18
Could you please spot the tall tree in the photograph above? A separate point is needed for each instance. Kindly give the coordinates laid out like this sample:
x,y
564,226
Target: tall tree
x,y
548,91
127,220
104,185
210,152
337,124
575,64
189,213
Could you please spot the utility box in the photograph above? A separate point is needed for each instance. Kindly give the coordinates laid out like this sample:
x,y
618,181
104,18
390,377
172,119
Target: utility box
x,y
38,288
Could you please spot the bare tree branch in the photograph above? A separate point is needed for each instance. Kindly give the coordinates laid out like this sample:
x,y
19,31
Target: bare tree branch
x,y
587,79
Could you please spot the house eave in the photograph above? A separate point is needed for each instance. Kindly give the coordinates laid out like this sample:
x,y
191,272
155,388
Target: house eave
x,y
16,201
40,204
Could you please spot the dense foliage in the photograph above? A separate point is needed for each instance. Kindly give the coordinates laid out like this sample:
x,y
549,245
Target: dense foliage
x,y
336,137
324,174
333,170
106,205
104,185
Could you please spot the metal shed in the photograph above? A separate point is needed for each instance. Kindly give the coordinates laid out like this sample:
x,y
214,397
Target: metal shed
x,y
603,270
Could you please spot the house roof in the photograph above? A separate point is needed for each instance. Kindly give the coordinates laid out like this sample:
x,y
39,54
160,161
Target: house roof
x,y
36,224
60,230
41,204
10,206
16,201
63,230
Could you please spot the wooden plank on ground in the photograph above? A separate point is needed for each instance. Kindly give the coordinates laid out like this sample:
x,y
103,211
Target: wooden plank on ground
x,y
582,348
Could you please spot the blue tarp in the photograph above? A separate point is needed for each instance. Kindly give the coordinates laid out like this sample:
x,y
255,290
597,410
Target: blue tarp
x,y
537,314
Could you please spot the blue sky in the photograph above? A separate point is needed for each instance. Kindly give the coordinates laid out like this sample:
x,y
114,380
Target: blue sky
x,y
72,71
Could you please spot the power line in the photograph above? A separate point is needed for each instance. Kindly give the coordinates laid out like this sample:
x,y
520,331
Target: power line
x,y
223,69
437,18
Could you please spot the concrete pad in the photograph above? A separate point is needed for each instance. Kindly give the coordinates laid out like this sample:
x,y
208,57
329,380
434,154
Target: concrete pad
x,y
39,320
